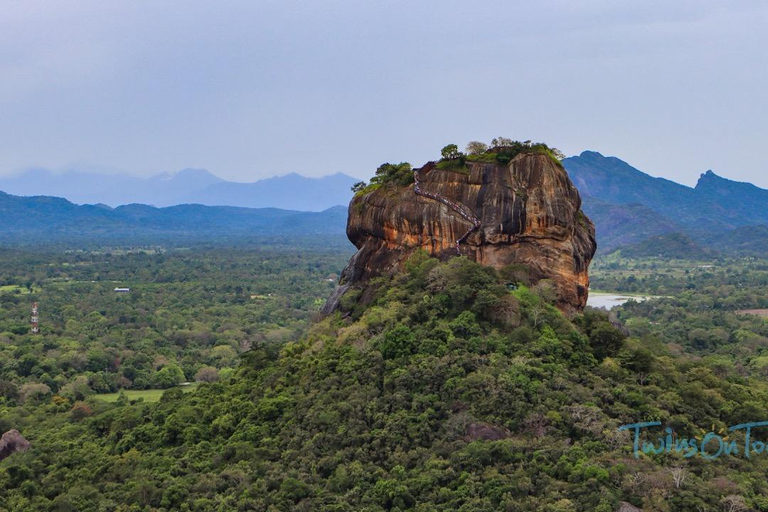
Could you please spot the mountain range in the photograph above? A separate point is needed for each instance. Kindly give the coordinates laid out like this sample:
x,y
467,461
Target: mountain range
x,y
198,186
630,207
44,220
632,210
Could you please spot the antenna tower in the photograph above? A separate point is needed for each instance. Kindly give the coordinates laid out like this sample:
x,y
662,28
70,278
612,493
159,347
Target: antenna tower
x,y
35,319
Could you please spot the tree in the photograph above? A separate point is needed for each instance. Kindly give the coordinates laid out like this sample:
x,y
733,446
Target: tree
x,y
606,340
398,342
226,355
78,389
557,153
450,152
207,374
678,475
33,390
476,148
734,503
168,377
357,187
500,142
465,324
8,390
400,174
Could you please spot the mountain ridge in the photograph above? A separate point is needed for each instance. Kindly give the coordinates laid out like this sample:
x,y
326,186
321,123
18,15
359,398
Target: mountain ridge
x,y
291,191
45,219
627,205
612,191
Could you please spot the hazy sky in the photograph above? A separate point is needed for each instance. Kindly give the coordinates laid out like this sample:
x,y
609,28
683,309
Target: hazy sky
x,y
249,89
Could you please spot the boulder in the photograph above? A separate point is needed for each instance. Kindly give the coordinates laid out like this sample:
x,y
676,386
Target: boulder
x,y
12,442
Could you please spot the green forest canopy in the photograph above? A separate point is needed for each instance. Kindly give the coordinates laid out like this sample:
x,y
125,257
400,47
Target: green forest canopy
x,y
449,392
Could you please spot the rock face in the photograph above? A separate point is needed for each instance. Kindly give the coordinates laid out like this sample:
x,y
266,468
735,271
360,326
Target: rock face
x,y
529,214
12,442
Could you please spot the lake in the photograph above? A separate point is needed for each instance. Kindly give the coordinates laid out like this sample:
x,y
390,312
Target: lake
x,y
611,300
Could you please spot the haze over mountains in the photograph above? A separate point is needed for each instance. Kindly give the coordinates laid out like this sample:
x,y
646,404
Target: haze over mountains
x,y
189,186
632,210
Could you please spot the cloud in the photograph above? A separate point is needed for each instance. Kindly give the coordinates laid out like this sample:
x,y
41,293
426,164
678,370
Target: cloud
x,y
253,88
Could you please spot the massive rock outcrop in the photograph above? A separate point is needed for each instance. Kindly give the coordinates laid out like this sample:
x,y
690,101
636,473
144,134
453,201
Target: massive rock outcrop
x,y
12,442
529,214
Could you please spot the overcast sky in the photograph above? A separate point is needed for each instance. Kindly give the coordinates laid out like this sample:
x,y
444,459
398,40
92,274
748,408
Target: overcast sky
x,y
250,89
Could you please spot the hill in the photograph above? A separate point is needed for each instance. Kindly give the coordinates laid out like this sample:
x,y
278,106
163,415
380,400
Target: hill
x,y
427,399
618,225
40,220
289,192
671,246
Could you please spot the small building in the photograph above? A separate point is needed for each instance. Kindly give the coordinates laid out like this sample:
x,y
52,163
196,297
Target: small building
x,y
122,290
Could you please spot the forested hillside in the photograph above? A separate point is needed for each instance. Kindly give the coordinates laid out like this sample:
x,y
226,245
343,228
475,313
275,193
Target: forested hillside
x,y
452,391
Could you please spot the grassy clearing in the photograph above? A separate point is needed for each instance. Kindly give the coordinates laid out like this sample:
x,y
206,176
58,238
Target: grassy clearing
x,y
149,395
14,288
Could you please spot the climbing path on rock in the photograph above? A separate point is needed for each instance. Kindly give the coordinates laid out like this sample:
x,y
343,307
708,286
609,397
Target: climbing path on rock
x,y
462,210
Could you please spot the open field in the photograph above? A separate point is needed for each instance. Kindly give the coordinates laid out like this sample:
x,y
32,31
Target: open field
x,y
149,395
13,288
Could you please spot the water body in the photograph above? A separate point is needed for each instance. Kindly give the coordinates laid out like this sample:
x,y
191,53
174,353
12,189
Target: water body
x,y
611,300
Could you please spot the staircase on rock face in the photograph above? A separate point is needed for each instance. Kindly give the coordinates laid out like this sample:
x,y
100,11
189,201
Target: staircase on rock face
x,y
462,210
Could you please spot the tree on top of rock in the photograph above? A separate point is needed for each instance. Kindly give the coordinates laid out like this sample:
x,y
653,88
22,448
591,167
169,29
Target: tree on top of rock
x,y
450,152
476,147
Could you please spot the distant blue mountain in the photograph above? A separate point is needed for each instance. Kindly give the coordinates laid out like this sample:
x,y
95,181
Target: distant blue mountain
x,y
628,206
43,220
291,192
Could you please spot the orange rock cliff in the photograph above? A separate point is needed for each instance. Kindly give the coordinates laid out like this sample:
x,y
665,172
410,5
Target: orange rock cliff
x,y
526,212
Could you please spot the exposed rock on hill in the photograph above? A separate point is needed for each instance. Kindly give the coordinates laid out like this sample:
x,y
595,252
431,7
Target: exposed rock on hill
x,y
12,442
529,214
